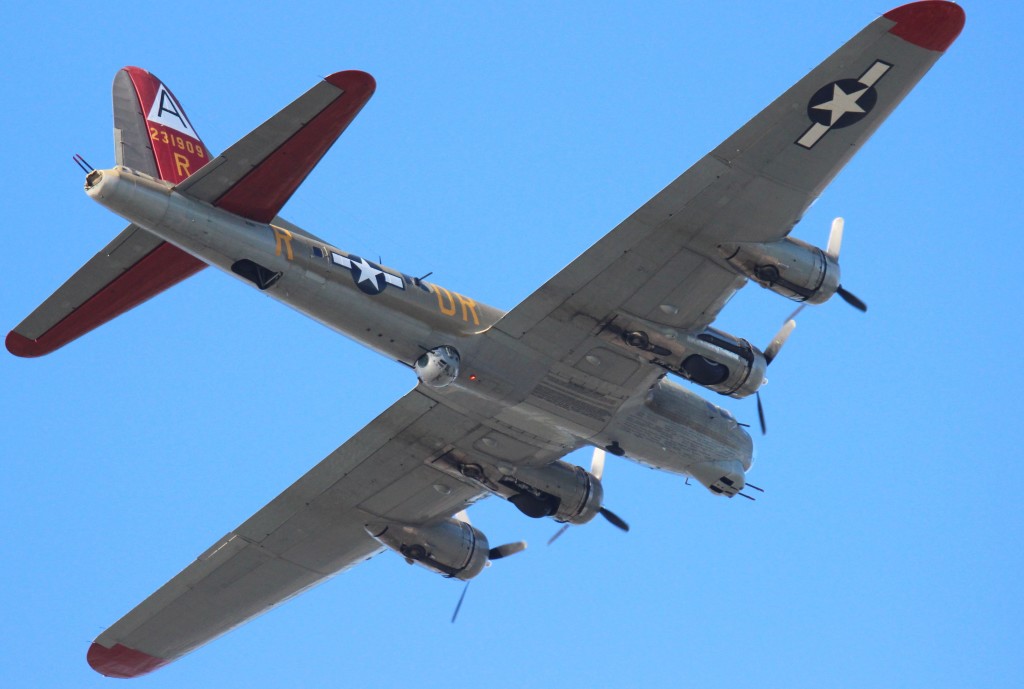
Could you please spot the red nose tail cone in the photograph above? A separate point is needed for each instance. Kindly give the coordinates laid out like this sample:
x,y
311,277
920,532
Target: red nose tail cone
x,y
121,661
932,24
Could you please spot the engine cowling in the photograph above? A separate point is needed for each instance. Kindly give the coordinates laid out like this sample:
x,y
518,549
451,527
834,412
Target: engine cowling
x,y
562,491
565,492
790,267
712,358
451,548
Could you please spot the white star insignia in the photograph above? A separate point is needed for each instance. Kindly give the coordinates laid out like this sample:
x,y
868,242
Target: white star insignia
x,y
367,273
842,103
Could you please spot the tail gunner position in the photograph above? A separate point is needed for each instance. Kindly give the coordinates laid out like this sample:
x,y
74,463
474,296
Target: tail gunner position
x,y
501,397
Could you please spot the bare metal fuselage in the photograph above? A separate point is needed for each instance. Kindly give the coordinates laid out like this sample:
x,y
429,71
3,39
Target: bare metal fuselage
x,y
665,425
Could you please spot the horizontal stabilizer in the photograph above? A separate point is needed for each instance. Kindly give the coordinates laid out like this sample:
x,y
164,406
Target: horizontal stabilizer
x,y
130,270
256,177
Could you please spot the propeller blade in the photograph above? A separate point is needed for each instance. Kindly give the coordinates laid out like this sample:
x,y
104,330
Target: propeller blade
x,y
852,300
597,463
615,519
772,350
835,238
565,527
462,516
760,414
458,606
506,550
796,312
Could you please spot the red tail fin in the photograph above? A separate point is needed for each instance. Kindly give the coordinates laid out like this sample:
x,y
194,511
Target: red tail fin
x,y
153,133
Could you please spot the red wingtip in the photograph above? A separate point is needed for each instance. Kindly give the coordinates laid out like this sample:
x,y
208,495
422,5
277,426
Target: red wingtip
x,y
19,345
121,661
931,24
353,80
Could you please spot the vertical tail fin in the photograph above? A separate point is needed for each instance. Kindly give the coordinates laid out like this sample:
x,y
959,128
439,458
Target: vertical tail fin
x,y
152,133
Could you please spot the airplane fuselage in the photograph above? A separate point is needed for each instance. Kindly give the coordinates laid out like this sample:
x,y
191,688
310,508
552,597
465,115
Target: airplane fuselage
x,y
402,317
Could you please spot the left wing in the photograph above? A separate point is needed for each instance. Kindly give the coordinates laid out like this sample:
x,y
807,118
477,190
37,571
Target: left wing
x,y
310,532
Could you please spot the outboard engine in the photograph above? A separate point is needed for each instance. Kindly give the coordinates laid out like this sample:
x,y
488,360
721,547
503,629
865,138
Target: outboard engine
x,y
789,267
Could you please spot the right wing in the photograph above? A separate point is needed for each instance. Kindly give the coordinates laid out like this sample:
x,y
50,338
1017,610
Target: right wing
x,y
661,269
657,264
310,532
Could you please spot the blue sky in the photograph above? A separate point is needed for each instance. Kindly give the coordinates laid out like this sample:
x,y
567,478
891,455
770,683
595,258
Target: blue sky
x,y
502,141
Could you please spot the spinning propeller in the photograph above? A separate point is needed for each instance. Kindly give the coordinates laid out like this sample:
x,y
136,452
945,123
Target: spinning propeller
x,y
596,470
772,351
493,554
835,243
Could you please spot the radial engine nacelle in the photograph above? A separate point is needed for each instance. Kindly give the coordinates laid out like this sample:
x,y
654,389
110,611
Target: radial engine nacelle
x,y
790,267
451,547
565,492
719,361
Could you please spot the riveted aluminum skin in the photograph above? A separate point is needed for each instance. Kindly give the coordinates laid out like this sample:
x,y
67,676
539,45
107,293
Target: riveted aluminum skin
x,y
675,430
400,321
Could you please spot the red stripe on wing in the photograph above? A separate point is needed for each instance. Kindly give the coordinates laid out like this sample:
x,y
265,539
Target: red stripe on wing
x,y
164,267
263,191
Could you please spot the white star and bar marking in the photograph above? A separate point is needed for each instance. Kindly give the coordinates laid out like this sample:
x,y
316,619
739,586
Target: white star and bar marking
x,y
364,272
843,103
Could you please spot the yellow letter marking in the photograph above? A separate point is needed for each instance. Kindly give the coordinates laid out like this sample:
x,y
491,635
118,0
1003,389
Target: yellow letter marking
x,y
283,236
182,164
469,304
446,310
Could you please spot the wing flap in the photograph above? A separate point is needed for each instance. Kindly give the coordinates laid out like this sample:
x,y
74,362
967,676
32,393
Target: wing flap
x,y
256,177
